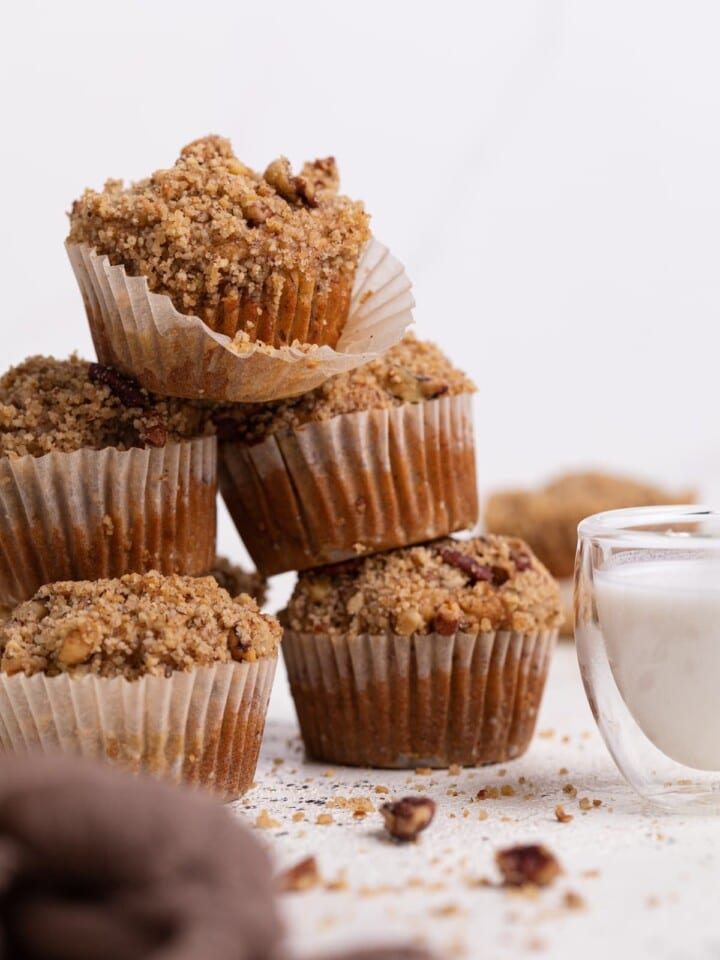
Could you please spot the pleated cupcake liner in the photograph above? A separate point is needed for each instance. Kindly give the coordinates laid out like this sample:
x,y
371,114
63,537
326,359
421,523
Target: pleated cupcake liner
x,y
289,306
358,483
91,514
202,728
422,701
143,335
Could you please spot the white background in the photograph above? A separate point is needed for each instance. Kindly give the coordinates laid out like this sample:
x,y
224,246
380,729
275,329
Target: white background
x,y
547,171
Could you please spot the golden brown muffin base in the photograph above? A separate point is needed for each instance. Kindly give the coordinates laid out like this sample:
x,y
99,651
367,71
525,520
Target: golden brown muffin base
x,y
357,483
401,702
94,514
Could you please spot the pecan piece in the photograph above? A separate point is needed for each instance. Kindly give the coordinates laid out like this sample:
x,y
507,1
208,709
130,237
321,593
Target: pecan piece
x,y
322,174
408,817
153,432
469,565
128,391
293,189
521,560
303,876
532,864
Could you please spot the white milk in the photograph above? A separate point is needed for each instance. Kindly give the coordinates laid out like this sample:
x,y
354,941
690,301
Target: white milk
x,y
661,624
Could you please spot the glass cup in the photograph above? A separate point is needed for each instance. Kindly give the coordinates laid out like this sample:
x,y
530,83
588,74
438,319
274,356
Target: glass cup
x,y
647,612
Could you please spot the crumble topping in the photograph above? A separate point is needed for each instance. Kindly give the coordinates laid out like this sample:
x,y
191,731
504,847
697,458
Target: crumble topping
x,y
447,586
547,518
51,405
210,227
236,580
412,371
137,625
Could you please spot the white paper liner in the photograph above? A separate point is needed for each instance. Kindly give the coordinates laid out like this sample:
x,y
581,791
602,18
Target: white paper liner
x,y
392,701
90,514
357,483
201,728
142,334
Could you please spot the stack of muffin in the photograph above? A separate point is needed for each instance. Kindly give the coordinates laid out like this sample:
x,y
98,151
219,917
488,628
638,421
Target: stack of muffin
x,y
252,323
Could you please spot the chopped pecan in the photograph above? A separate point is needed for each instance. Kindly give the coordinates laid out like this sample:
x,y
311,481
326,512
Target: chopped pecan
x,y
153,431
532,864
521,560
293,189
413,388
128,391
322,174
469,565
256,213
303,876
406,818
447,620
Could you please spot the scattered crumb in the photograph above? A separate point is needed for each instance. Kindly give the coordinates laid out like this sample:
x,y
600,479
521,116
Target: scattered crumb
x,y
329,772
502,772
356,804
379,788
591,873
278,761
570,790
323,819
423,771
265,821
546,734
597,803
338,884
563,771
487,793
298,816
507,790
303,876
584,803
447,910
561,815
483,815
454,770
573,901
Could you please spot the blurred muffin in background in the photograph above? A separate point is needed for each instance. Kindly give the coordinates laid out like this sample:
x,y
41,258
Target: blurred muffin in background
x,y
547,517
235,580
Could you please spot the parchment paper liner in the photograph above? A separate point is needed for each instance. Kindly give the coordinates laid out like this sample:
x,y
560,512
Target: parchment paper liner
x,y
142,334
392,701
201,728
359,482
102,513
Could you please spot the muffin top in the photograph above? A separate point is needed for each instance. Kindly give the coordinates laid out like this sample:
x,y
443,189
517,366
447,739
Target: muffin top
x,y
235,580
51,405
412,371
138,625
468,586
548,517
210,226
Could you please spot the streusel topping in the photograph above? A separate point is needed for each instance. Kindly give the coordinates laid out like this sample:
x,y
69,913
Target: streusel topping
x,y
140,624
210,226
447,586
64,405
412,371
236,580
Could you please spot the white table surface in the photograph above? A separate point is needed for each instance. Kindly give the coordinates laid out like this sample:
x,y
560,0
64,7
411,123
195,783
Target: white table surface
x,y
650,880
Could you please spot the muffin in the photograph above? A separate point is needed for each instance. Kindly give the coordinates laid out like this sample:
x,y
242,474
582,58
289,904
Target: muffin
x,y
236,580
380,457
269,257
166,675
99,478
427,656
547,518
